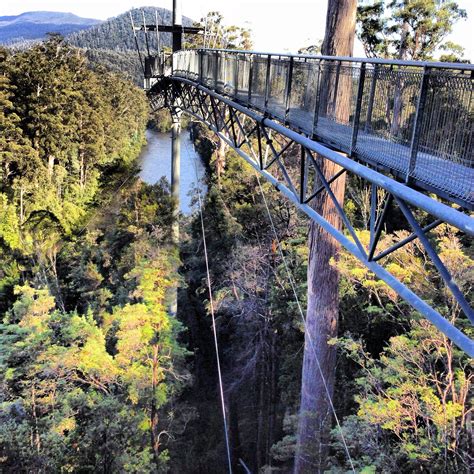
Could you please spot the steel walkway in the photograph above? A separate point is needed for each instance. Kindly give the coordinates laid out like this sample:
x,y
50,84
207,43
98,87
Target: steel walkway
x,y
412,119
282,114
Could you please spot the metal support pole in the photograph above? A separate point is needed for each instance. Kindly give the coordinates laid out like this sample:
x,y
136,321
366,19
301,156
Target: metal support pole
x,y
267,81
216,69
289,80
415,138
201,68
332,106
236,76
177,21
316,102
355,125
175,168
249,98
370,107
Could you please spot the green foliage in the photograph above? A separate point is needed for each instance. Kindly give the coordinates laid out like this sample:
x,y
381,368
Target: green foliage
x,y
407,29
90,364
62,126
219,35
74,382
413,398
115,33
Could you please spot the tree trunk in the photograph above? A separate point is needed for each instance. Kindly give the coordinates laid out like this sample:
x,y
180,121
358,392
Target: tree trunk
x,y
221,159
51,160
154,431
323,278
234,431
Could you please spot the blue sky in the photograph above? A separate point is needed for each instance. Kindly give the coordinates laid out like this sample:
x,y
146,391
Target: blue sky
x,y
277,25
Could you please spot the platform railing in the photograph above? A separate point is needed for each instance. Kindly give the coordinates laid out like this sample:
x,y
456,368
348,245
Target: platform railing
x,y
412,118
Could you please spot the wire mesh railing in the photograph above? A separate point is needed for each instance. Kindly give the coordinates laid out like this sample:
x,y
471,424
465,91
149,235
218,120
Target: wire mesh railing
x,y
414,119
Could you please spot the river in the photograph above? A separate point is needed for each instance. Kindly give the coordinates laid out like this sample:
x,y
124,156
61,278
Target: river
x,y
155,162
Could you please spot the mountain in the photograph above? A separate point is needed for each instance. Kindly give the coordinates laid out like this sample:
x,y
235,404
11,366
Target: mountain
x,y
116,33
112,45
35,25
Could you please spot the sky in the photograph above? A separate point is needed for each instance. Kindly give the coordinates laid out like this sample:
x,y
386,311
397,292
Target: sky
x,y
277,26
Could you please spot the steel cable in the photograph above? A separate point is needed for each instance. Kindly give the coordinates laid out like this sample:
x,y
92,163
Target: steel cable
x,y
307,333
211,305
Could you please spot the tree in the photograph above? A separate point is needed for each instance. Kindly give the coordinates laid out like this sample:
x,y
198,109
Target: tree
x,y
218,35
407,29
323,277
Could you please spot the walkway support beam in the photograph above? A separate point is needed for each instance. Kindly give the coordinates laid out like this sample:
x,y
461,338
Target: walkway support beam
x,y
175,169
254,130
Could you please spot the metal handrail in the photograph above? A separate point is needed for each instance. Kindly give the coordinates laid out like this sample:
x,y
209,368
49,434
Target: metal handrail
x,y
394,62
411,118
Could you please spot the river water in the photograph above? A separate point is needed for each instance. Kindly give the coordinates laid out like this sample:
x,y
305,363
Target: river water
x,y
155,162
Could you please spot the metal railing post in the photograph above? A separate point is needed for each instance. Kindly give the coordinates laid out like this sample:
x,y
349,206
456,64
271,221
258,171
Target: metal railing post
x,y
216,70
415,138
289,79
355,124
249,98
267,81
370,106
201,67
236,76
332,107
316,104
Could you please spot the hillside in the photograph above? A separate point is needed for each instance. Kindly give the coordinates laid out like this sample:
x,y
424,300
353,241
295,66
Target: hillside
x,y
35,25
111,44
116,34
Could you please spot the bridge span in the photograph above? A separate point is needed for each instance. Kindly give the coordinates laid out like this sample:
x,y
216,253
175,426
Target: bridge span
x,y
403,127
409,118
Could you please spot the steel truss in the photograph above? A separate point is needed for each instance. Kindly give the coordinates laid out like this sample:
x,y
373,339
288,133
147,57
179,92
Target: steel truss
x,y
266,146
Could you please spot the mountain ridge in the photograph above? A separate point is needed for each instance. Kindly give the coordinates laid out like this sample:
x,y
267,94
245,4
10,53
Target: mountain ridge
x,y
35,25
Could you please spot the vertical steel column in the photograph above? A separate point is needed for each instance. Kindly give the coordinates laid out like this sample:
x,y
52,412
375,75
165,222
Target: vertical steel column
x,y
201,68
176,132
332,106
177,22
316,104
249,98
175,167
289,79
358,106
236,76
175,188
267,81
370,106
216,70
415,138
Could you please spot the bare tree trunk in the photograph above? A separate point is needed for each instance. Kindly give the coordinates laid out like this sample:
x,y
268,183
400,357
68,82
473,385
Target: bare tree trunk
x,y
323,278
51,160
22,212
221,159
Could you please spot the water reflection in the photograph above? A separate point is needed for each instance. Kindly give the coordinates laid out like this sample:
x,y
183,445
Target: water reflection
x,y
155,161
